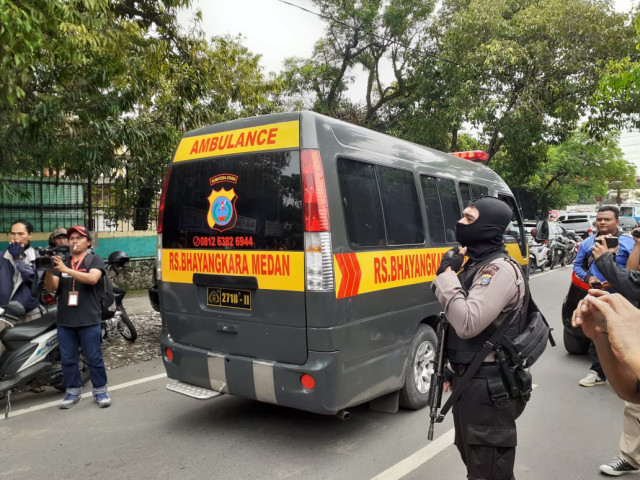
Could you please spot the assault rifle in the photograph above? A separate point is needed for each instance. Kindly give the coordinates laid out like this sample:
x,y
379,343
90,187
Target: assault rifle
x,y
438,375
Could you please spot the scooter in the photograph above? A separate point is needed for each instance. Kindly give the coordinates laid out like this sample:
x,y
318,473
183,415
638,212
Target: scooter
x,y
31,357
120,322
538,257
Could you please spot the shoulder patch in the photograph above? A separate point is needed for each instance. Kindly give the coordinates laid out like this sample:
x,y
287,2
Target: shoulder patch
x,y
485,279
486,274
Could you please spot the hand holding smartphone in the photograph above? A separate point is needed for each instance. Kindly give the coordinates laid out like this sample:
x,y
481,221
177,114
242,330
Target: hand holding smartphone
x,y
612,242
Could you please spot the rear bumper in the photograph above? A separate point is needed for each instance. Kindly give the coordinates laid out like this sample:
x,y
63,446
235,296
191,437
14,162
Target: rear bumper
x,y
274,382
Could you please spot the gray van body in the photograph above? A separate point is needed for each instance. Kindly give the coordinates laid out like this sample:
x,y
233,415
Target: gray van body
x,y
356,348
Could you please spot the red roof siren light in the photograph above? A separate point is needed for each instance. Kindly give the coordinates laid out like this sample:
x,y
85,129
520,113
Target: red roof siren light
x,y
473,155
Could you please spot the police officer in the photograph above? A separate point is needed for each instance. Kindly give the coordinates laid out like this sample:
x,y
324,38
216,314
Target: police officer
x,y
487,291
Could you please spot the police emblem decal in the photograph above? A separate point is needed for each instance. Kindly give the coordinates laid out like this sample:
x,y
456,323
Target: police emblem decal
x,y
221,214
485,279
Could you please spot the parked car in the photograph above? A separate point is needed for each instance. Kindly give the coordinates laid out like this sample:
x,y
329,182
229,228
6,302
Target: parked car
x,y
582,226
627,224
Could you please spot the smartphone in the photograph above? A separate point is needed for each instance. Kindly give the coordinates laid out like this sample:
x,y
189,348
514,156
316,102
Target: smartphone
x,y
596,284
612,242
600,320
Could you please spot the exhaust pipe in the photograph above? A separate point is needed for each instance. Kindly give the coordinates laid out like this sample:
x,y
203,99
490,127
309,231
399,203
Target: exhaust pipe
x,y
343,415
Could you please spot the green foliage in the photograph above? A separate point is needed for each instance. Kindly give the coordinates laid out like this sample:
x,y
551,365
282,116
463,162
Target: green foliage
x,y
363,35
577,170
95,87
618,96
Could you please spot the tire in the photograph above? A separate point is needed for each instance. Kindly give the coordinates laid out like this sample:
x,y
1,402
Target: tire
x,y
533,265
414,394
126,327
574,344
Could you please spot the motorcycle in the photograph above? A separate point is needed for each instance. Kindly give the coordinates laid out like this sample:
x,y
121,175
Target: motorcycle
x,y
31,357
537,255
576,241
560,249
120,322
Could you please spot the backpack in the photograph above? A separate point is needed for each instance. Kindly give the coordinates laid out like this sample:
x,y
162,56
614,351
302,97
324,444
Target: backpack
x,y
107,297
529,345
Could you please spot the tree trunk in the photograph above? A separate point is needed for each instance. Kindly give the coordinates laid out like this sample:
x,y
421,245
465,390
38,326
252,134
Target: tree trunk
x,y
143,208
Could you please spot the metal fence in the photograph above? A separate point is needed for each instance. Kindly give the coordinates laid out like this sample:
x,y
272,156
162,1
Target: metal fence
x,y
103,206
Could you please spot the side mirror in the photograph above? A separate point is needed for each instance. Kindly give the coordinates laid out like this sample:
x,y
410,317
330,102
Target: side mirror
x,y
542,231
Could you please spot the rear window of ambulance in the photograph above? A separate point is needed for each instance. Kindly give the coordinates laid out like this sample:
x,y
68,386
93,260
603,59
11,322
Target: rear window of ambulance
x,y
251,201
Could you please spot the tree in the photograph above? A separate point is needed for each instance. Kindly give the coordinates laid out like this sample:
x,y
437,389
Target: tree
x,y
618,96
96,86
577,170
524,71
366,35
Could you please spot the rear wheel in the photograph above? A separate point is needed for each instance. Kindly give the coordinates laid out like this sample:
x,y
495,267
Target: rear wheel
x,y
575,344
126,327
533,265
420,366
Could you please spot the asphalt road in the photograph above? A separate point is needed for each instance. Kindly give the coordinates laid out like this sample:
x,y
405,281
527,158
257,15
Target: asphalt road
x,y
149,433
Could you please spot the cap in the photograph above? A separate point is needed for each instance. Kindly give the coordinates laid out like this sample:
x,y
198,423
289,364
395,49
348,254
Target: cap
x,y
59,231
81,230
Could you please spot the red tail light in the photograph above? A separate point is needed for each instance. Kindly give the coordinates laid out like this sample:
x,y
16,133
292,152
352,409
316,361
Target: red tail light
x,y
163,196
315,205
307,381
48,298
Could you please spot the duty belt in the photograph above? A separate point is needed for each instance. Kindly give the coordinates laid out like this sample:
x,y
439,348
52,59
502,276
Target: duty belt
x,y
485,370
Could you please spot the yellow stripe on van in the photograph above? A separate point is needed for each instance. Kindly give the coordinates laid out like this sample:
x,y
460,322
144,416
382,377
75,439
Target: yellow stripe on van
x,y
264,137
366,272
275,270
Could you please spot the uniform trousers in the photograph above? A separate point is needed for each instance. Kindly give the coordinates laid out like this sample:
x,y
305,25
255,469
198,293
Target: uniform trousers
x,y
485,435
630,438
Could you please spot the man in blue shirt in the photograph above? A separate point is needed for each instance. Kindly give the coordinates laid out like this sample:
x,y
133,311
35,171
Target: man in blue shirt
x,y
586,271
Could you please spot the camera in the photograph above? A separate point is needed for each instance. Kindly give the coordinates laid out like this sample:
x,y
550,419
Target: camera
x,y
44,262
636,233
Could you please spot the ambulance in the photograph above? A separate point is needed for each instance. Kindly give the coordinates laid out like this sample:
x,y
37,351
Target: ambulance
x,y
295,257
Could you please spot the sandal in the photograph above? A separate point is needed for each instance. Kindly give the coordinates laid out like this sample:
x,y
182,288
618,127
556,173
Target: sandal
x,y
38,389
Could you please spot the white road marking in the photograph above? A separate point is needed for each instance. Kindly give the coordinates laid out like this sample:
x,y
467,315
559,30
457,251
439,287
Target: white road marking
x,y
15,413
422,456
409,464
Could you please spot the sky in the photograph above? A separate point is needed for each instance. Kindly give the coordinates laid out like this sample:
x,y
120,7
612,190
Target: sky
x,y
274,29
278,30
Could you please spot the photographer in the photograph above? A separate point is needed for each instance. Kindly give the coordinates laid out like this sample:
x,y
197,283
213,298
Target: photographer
x,y
615,348
17,269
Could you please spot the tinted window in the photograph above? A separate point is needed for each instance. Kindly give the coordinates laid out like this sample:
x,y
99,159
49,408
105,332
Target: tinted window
x,y
401,206
450,207
242,201
380,205
470,192
443,208
435,218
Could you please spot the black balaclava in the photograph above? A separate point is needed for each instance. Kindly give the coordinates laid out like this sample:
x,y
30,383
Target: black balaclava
x,y
484,237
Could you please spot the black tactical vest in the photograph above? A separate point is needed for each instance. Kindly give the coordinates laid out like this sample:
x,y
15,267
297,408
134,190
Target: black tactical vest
x,y
460,351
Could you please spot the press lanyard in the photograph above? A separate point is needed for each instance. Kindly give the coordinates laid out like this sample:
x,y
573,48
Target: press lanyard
x,y
73,294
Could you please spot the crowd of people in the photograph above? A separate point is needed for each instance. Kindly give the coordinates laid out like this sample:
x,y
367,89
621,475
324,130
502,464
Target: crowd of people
x,y
75,279
479,288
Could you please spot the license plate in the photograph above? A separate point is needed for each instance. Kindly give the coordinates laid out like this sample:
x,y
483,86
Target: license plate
x,y
229,298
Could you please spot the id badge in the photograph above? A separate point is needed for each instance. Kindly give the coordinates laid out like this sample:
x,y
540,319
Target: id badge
x,y
73,299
